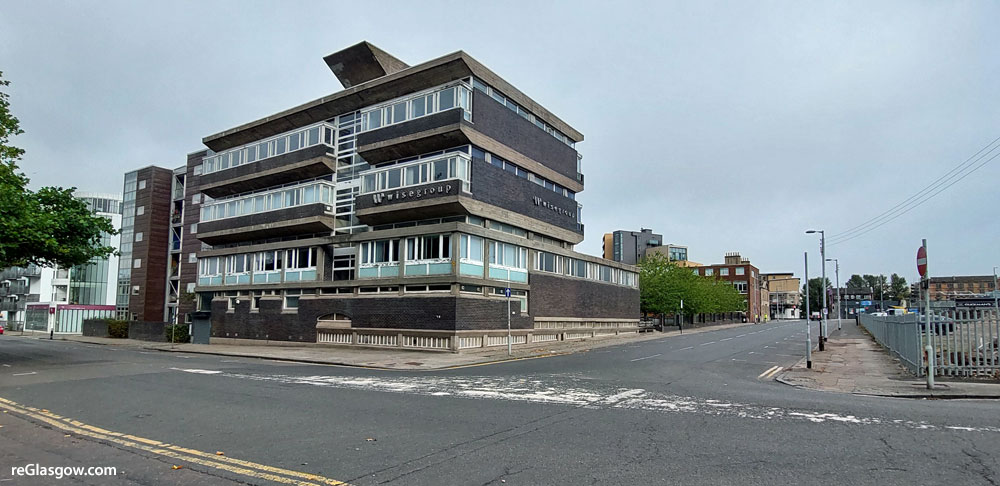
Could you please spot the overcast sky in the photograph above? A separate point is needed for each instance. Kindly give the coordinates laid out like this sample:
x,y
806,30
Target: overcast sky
x,y
725,126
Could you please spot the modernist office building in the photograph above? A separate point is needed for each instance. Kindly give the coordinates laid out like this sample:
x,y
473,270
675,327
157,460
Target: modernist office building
x,y
632,246
398,212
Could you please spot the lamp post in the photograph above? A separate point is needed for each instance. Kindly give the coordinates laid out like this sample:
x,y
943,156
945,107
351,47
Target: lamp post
x,y
822,255
839,299
996,300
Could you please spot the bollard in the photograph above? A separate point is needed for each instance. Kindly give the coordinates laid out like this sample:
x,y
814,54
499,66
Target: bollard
x,y
930,366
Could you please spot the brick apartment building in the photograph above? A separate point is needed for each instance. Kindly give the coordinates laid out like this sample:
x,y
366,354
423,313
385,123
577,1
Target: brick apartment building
x,y
745,277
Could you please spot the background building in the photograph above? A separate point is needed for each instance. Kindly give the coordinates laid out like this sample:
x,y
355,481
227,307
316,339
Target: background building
x,y
744,276
43,299
398,212
954,291
631,246
784,295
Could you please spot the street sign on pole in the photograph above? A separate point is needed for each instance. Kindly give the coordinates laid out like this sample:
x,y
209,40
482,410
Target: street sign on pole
x,y
922,261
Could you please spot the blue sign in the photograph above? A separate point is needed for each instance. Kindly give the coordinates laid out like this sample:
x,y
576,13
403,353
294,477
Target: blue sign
x,y
866,303
506,292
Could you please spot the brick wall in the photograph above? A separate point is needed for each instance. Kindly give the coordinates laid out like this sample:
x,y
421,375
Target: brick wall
x,y
554,296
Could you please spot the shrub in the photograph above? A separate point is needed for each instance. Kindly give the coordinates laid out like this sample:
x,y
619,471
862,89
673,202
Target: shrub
x,y
177,333
117,328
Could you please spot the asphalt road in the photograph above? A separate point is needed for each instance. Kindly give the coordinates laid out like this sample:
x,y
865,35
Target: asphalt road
x,y
692,409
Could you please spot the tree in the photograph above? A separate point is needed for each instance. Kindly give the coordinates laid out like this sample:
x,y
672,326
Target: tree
x,y
856,282
663,284
816,288
898,289
47,227
878,283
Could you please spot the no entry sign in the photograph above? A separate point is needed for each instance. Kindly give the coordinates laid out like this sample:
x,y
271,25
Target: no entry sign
x,y
922,261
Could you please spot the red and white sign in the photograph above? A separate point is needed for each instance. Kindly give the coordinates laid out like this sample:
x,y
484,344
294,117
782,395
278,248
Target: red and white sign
x,y
922,261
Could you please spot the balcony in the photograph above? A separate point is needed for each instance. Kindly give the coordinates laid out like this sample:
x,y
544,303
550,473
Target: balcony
x,y
434,182
292,156
297,209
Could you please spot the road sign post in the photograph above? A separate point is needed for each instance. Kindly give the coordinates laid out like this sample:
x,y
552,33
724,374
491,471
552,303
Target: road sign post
x,y
809,356
506,293
925,283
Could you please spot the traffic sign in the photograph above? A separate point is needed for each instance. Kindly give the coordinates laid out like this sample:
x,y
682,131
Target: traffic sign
x,y
506,292
922,261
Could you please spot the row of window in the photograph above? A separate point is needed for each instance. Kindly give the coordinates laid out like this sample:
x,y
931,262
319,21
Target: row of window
x,y
724,272
417,248
515,169
262,261
416,106
574,267
527,115
455,166
290,298
280,144
308,193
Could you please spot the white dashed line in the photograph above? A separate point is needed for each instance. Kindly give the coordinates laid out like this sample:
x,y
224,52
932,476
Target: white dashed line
x,y
647,357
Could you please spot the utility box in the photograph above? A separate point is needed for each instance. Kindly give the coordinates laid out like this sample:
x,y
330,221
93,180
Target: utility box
x,y
201,327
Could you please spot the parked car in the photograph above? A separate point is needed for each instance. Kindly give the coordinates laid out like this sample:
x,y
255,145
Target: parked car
x,y
815,316
1,328
940,324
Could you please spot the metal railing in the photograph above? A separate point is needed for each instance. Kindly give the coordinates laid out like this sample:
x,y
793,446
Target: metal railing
x,y
966,342
900,335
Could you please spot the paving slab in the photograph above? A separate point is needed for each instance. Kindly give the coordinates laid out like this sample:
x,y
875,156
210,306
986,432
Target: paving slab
x,y
854,363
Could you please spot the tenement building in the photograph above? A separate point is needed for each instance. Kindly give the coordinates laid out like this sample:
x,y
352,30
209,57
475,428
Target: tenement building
x,y
411,209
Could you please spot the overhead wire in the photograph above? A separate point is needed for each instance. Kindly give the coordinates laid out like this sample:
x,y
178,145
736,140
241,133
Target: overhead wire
x,y
944,179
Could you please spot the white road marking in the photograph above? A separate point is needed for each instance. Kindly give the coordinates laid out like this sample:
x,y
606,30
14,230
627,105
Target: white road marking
x,y
586,394
24,374
689,347
741,335
726,339
200,372
5,365
706,344
647,357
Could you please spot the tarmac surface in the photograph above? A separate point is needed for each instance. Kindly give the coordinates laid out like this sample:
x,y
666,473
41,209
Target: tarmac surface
x,y
698,408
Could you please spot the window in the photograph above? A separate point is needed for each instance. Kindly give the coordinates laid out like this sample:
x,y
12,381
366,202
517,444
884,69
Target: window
x,y
724,272
709,272
740,270
507,255
430,247
194,229
192,258
142,184
471,248
292,299
137,263
139,211
138,236
300,258
380,251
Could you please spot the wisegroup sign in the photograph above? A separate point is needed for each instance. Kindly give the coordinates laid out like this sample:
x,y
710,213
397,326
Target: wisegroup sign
x,y
414,193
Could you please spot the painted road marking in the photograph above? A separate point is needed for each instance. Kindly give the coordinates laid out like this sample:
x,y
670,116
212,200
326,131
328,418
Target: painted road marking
x,y
25,374
770,372
726,339
647,357
225,463
706,344
588,394
684,349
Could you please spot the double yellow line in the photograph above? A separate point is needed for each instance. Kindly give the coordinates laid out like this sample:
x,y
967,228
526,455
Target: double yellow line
x,y
178,453
769,373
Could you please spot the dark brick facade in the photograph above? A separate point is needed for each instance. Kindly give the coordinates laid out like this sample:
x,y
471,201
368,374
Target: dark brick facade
x,y
269,218
493,185
154,224
189,242
553,296
282,169
499,123
437,313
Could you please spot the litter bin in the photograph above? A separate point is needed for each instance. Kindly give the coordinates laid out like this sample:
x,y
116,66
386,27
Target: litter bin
x,y
201,326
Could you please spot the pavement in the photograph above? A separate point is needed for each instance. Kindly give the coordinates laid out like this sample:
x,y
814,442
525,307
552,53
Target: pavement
x,y
386,358
854,363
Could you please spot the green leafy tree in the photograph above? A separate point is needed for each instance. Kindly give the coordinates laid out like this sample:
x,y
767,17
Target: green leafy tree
x,y
898,288
878,283
815,289
856,282
47,227
663,285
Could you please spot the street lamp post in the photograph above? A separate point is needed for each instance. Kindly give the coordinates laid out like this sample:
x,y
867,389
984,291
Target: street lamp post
x,y
996,293
822,255
839,299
